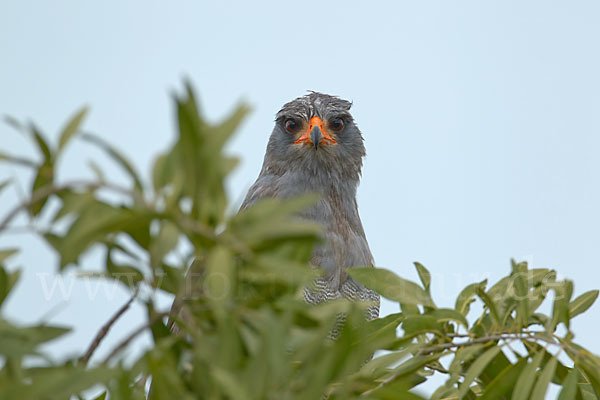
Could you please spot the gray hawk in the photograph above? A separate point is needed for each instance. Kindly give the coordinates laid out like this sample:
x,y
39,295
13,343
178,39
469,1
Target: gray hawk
x,y
316,147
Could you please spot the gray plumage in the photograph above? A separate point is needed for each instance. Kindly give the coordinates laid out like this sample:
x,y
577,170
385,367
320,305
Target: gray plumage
x,y
326,161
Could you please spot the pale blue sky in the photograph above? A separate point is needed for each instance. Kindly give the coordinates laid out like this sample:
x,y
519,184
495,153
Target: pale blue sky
x,y
481,121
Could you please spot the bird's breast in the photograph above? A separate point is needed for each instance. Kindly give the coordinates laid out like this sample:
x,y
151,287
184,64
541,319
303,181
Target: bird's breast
x,y
344,243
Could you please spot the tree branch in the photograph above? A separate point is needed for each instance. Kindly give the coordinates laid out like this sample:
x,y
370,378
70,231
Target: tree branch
x,y
104,330
502,336
134,334
48,190
506,336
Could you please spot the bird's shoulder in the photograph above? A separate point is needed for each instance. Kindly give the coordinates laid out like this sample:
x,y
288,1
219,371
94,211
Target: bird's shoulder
x,y
264,187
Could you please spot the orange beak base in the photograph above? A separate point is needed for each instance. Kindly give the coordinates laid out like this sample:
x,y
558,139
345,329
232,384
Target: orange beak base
x,y
315,121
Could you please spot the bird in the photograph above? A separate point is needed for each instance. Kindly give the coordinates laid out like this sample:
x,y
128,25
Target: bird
x,y
316,147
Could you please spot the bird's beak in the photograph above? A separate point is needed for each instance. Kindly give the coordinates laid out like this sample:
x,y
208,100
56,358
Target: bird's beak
x,y
315,134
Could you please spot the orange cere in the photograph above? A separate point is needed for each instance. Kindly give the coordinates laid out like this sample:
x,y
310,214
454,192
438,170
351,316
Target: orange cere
x,y
306,135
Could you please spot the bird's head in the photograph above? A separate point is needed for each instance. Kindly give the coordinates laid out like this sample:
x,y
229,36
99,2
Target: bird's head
x,y
316,133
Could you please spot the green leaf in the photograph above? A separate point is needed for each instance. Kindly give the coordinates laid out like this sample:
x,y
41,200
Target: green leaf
x,y
527,378
424,275
561,371
17,160
167,381
502,385
500,292
382,363
476,368
490,304
448,314
95,221
127,274
462,357
538,319
494,368
224,130
97,171
391,392
162,171
540,276
569,386
42,145
587,363
46,333
101,396
74,203
14,123
446,391
536,298
136,223
71,129
18,342
582,303
164,242
466,297
560,308
7,281
219,281
591,371
272,219
5,184
421,324
4,254
45,173
62,382
44,178
415,363
383,330
539,390
267,269
228,384
586,392
117,156
200,160
410,309
171,279
391,286
521,292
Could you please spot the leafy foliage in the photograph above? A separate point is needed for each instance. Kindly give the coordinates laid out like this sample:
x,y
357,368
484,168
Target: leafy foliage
x,y
243,328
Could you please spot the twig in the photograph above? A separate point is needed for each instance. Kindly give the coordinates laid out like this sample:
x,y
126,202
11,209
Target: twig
x,y
444,346
381,384
20,161
458,335
506,336
431,349
485,339
47,190
436,368
134,334
196,227
104,330
21,230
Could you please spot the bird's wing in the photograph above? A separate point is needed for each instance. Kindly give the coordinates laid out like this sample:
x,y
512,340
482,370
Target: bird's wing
x,y
263,187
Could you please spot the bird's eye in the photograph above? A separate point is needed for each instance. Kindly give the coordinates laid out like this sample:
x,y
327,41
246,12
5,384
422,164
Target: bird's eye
x,y
337,124
291,125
